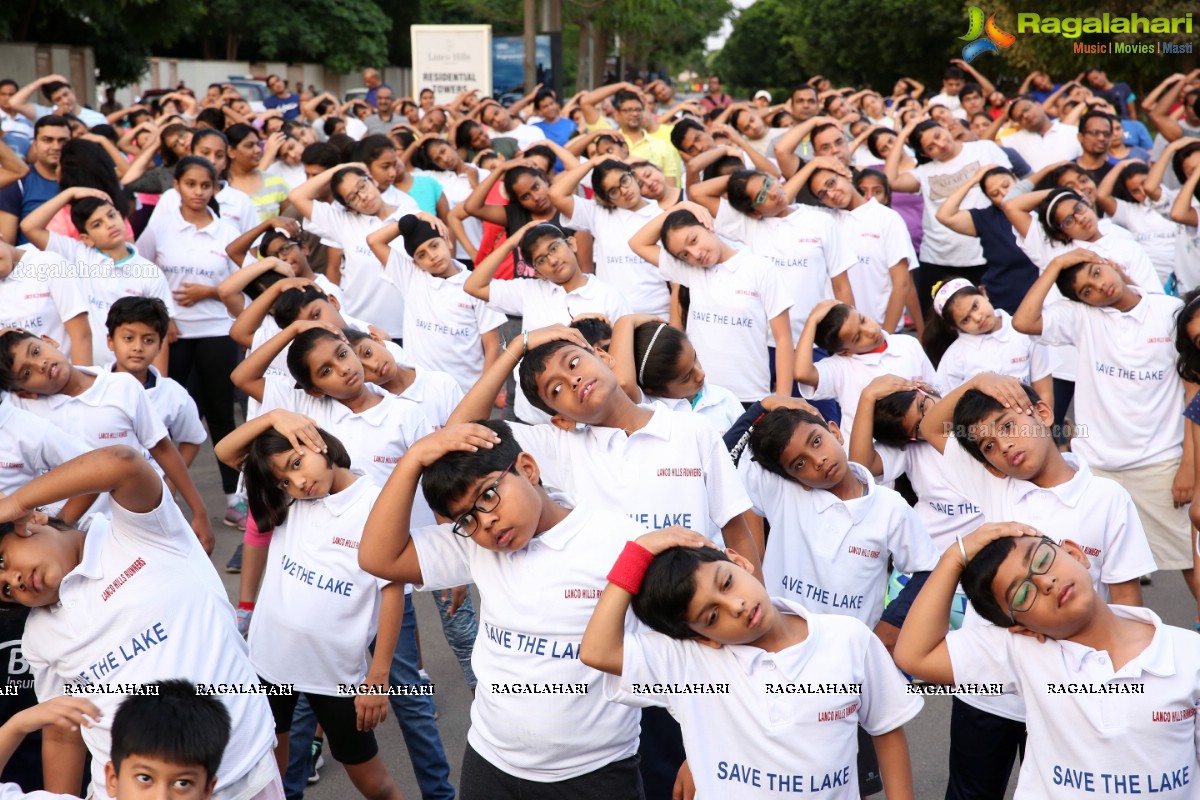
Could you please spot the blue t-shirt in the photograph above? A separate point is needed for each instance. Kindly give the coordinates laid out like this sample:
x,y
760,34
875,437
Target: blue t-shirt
x,y
1136,135
289,106
558,132
22,197
426,191
1009,273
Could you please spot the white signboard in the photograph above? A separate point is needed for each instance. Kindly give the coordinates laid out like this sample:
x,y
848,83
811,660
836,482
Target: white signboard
x,y
450,59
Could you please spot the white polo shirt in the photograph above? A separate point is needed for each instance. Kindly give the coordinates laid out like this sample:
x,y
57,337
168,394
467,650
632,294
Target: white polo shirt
x,y
1151,225
806,246
443,325
145,604
105,281
318,610
843,378
674,471
645,290
789,723
187,254
878,238
944,512
114,410
436,393
939,180
176,409
1141,741
31,445
1040,150
41,294
1006,351
829,555
236,207
1127,393
540,302
729,318
375,438
716,405
1096,513
367,294
536,604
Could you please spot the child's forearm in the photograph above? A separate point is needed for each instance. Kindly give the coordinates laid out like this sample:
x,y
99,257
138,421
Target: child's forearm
x,y
478,283
928,620
784,360
385,537
805,370
477,403
1028,318
188,452
895,767
901,283
118,470
603,646
249,376
254,564
391,617
1126,593
862,441
63,757
251,319
737,536
380,240
231,451
167,456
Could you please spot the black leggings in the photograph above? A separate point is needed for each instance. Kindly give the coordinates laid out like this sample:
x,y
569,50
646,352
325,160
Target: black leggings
x,y
339,719
203,367
983,748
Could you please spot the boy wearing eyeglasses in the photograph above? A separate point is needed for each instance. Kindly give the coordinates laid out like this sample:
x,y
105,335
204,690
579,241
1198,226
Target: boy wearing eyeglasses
x,y
540,725
1110,691
995,436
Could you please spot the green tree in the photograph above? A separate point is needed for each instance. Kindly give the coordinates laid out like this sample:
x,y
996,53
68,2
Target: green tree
x,y
758,31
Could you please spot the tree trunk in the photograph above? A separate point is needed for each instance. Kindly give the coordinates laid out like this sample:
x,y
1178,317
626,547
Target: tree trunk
x,y
231,44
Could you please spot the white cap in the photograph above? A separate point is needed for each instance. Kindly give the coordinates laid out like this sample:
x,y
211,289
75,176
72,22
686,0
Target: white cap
x,y
762,93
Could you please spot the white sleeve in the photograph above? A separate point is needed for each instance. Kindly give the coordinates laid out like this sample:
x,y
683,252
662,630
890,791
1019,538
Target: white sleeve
x,y
776,297
68,297
839,255
754,479
55,447
508,297
548,446
183,422
326,222
672,269
909,543
487,318
280,392
983,654
147,243
1039,360
1062,321
997,156
649,658
829,380
950,372
442,556
897,243
971,479
584,218
895,462
886,702
399,270
1125,212
1126,551
731,223
726,496
147,426
70,249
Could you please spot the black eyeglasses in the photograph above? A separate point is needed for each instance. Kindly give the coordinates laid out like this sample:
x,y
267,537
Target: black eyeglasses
x,y
1027,592
487,502
615,192
1071,219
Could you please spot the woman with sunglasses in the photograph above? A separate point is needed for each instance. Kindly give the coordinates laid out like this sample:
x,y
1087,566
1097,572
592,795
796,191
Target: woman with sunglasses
x,y
616,213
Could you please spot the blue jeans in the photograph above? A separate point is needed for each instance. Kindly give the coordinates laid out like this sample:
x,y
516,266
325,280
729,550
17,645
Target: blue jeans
x,y
413,712
460,631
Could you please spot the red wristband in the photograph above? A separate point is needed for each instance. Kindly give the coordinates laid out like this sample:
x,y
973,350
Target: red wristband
x,y
631,567
243,606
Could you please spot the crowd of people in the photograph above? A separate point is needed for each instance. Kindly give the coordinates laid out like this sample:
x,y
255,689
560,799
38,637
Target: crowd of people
x,y
745,424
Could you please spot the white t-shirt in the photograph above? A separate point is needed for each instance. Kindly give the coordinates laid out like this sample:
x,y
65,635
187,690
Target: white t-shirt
x,y
540,302
939,180
1096,513
187,254
1128,393
145,604
806,246
789,723
644,289
236,207
375,439
1040,150
716,405
368,295
729,317
41,294
176,408
843,378
878,238
1006,351
829,555
944,512
443,325
536,604
1142,740
31,445
1151,225
318,610
106,281
674,471
436,393
1187,254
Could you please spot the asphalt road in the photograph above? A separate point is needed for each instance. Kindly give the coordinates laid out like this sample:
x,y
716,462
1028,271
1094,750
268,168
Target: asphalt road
x,y
928,734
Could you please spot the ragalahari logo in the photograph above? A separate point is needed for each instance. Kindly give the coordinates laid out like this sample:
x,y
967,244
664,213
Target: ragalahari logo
x,y
993,38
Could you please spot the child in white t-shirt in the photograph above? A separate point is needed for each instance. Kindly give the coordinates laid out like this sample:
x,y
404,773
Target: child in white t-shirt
x,y
537,562
739,668
1110,691
444,327
100,407
135,601
317,611
862,350
40,293
965,335
739,307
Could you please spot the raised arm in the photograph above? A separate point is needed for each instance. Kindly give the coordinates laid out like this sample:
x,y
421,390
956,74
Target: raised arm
x,y
785,146
594,98
238,249
250,375
1153,184
983,82
621,349
479,281
562,188
300,430
862,437
12,167
22,101
797,182
121,471
302,196
476,204
901,181
760,162
805,371
949,214
1028,318
1019,210
645,241
144,160
1160,114
380,239
937,425
1182,210
251,319
1104,192
708,193
35,225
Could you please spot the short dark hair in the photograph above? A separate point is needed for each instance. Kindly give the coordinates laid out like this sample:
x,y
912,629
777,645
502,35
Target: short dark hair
x,y
593,329
829,329
9,82
49,89
954,73
321,154
1121,190
977,578
624,96
83,209
676,220
914,139
770,437
175,724
148,310
679,132
532,367
290,303
448,478
1088,116
738,193
971,410
213,117
8,345
969,89
297,355
601,172
536,234
371,148
50,121
668,588
804,87
725,165
889,417
1047,216
267,502
542,95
